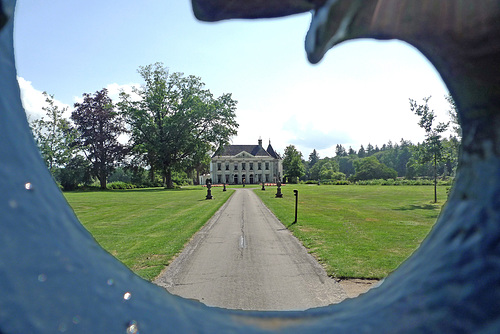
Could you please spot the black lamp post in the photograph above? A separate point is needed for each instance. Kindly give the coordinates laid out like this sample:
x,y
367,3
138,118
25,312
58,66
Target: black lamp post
x,y
296,193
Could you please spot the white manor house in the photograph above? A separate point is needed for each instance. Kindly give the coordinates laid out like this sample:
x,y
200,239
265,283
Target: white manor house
x,y
238,164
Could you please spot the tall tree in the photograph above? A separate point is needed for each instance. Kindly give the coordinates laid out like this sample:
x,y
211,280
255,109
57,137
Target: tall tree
x,y
351,151
99,126
53,135
432,148
340,151
313,158
453,112
361,152
176,121
292,163
370,150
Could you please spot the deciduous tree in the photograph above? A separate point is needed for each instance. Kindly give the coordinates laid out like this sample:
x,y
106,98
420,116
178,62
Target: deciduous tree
x,y
292,163
432,148
370,168
54,135
99,126
176,121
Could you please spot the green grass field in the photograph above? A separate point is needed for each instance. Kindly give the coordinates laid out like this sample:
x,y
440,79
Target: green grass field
x,y
355,231
145,228
358,231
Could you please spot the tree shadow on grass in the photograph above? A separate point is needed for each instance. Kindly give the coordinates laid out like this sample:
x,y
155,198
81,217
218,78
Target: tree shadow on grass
x,y
416,207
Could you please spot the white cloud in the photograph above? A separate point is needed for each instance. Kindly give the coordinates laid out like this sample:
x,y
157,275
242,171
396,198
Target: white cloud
x,y
33,100
114,90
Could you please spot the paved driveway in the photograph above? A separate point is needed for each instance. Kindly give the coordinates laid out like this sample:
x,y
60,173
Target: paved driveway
x,y
244,258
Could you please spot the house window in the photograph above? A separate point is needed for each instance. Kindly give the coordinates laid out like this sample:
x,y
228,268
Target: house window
x,y
218,166
243,166
236,166
227,166
267,165
219,178
259,166
267,177
227,177
251,166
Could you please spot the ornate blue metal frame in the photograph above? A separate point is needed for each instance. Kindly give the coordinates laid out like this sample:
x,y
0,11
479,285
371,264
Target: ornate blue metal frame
x,y
55,278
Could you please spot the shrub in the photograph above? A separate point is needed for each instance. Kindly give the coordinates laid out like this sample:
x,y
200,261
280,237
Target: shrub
x,y
120,185
74,174
336,182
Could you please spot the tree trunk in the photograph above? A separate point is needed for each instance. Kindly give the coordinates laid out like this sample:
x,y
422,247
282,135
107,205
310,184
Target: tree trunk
x,y
152,175
167,181
102,179
197,181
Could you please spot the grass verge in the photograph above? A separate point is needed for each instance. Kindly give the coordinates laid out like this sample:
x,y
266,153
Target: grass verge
x,y
358,231
145,228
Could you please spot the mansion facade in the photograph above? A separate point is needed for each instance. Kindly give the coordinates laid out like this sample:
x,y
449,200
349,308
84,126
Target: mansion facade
x,y
238,164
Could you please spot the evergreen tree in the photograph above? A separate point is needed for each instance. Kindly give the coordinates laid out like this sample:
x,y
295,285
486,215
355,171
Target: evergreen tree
x,y
313,158
340,151
351,152
361,152
369,150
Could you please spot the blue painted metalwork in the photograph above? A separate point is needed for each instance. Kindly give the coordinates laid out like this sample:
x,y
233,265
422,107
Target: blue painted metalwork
x,y
55,278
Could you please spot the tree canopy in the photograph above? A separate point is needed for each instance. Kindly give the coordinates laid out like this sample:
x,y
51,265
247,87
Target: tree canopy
x,y
176,121
370,168
99,126
293,166
431,149
54,135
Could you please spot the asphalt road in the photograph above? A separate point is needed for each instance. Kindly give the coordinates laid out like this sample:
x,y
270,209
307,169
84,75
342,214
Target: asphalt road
x,y
244,258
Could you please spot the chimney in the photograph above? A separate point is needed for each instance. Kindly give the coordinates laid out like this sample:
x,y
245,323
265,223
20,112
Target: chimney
x,y
260,141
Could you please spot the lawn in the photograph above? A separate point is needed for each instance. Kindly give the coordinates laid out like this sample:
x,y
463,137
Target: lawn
x,y
145,228
355,231
358,231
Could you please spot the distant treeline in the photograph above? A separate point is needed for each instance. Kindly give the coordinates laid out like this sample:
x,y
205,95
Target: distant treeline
x,y
391,161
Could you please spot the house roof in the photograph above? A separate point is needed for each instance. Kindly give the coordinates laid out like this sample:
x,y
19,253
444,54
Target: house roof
x,y
255,150
272,152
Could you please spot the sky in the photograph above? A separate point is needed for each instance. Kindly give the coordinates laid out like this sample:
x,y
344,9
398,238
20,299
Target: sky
x,y
358,94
